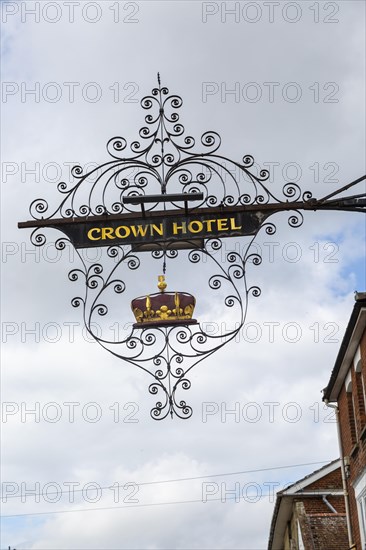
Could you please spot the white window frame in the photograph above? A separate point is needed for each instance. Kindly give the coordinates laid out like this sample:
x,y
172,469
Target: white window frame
x,y
360,494
358,369
299,537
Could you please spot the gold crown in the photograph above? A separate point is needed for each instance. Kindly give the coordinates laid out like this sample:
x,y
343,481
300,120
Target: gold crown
x,y
163,308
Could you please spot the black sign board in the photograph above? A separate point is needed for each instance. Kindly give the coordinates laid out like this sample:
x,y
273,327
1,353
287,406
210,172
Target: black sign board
x,y
158,227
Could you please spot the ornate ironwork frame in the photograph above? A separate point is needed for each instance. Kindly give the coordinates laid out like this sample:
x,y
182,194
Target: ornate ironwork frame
x,y
164,159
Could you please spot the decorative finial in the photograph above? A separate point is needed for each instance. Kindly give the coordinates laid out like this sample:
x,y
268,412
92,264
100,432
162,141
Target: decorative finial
x,y
159,79
161,284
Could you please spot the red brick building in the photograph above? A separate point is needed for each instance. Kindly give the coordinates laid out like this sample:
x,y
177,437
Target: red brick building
x,y
310,514
346,393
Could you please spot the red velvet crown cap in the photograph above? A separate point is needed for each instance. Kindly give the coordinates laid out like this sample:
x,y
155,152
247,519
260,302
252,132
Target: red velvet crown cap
x,y
163,308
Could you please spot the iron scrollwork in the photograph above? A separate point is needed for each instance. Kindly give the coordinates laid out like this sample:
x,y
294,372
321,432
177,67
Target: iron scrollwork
x,y
167,354
164,158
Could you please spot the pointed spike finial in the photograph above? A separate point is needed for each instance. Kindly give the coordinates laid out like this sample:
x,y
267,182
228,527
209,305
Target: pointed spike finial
x,y
159,79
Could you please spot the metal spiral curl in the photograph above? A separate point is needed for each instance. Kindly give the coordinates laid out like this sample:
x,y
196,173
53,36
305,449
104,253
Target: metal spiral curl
x,y
296,219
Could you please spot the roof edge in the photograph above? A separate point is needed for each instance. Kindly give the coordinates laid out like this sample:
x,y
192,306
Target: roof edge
x,y
342,360
294,491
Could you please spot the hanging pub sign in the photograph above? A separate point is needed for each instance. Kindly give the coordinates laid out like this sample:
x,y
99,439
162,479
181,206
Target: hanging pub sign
x,y
201,197
164,226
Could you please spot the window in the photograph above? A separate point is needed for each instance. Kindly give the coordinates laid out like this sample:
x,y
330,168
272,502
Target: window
x,y
360,494
360,390
351,410
362,506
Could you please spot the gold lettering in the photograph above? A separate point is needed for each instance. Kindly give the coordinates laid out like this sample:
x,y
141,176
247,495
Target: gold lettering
x,y
198,224
90,234
107,233
157,228
222,224
125,228
177,227
141,230
209,224
232,224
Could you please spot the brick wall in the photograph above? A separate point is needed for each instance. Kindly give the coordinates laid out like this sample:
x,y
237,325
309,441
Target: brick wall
x,y
316,505
352,420
333,480
329,533
321,531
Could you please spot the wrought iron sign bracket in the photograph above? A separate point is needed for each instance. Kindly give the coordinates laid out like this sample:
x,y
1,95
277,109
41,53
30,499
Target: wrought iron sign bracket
x,y
212,198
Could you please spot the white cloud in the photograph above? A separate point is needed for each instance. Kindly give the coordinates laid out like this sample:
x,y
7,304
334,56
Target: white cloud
x,y
276,376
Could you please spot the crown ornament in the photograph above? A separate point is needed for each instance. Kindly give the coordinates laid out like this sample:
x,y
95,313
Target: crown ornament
x,y
163,308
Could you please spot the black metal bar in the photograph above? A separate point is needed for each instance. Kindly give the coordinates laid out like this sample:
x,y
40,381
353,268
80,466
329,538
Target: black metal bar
x,y
174,197
355,199
312,204
342,189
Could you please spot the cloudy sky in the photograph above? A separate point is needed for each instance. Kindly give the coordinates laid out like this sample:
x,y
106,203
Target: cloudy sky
x,y
88,468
